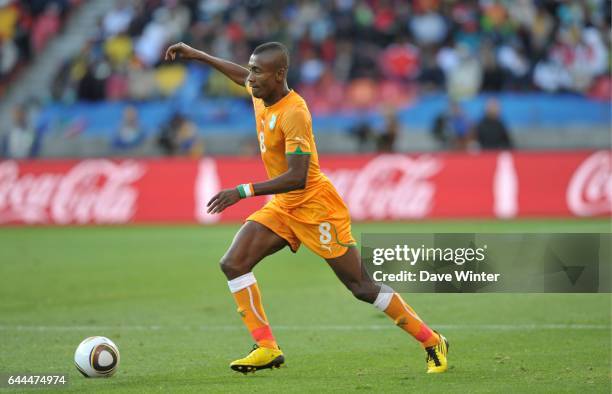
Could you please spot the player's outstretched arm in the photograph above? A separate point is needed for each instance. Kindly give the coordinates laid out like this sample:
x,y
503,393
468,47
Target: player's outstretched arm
x,y
233,71
292,179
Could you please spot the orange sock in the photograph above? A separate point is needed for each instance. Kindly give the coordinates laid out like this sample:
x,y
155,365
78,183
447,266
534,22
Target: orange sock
x,y
248,298
404,316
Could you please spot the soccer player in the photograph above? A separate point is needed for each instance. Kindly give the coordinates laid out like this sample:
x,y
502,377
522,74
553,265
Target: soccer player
x,y
306,208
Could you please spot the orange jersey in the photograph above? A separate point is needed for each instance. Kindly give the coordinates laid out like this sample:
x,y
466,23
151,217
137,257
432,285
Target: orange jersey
x,y
285,128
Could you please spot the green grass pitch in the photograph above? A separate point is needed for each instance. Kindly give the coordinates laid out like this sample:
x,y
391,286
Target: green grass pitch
x,y
159,294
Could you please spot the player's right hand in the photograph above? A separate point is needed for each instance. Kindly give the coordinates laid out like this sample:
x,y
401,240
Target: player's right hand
x,y
181,50
222,200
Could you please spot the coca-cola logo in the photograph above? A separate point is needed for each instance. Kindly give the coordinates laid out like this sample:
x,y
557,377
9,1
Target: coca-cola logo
x,y
389,187
589,192
93,191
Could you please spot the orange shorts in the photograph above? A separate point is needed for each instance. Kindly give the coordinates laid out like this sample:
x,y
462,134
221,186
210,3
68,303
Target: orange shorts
x,y
322,223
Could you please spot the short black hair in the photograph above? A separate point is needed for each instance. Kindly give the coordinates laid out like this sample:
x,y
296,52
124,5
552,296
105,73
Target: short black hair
x,y
275,46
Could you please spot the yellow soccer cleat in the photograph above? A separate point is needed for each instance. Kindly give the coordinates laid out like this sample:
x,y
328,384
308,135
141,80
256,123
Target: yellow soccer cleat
x,y
259,358
436,356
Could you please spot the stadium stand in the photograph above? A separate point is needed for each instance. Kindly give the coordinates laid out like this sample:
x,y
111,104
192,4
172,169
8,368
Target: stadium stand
x,y
466,47
25,29
547,62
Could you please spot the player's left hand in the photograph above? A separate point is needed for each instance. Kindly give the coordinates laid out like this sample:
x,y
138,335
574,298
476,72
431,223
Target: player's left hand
x,y
222,200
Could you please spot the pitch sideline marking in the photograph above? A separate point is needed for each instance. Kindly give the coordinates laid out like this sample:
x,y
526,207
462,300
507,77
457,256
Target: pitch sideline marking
x,y
371,327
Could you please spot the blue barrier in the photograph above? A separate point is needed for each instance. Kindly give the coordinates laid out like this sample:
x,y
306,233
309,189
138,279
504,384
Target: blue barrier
x,y
232,115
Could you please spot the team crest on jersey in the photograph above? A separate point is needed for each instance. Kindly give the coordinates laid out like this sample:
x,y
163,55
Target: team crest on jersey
x,y
272,122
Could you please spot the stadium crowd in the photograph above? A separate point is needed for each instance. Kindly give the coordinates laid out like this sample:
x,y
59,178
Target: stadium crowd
x,y
355,49
25,29
345,54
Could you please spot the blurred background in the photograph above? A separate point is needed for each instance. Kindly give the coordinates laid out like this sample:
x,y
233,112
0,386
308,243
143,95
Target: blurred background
x,y
421,109
87,78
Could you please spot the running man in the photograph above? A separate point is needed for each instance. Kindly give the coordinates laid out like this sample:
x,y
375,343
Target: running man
x,y
306,208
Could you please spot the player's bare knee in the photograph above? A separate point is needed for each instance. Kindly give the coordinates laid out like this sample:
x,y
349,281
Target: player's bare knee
x,y
231,267
363,292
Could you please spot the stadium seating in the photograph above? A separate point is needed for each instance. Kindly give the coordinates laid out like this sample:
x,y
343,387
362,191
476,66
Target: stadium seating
x,y
547,61
463,47
25,29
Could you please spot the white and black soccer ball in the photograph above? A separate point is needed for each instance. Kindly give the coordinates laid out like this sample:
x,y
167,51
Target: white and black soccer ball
x,y
96,357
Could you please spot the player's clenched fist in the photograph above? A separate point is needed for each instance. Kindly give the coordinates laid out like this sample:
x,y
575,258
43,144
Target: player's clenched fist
x,y
222,200
181,50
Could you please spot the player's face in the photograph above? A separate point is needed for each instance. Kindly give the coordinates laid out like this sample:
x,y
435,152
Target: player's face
x,y
263,74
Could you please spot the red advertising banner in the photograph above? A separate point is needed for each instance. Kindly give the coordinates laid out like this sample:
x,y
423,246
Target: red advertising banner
x,y
383,187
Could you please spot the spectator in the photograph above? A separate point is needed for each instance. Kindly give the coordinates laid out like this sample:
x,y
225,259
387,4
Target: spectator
x,y
149,47
451,128
447,57
428,27
179,138
45,27
92,86
441,131
118,19
465,79
119,49
512,59
388,136
362,131
130,134
540,28
21,138
493,77
9,17
187,141
312,68
400,61
431,77
491,132
179,18
167,137
8,56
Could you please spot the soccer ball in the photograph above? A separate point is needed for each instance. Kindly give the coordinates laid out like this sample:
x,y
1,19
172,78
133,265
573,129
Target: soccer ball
x,y
96,357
